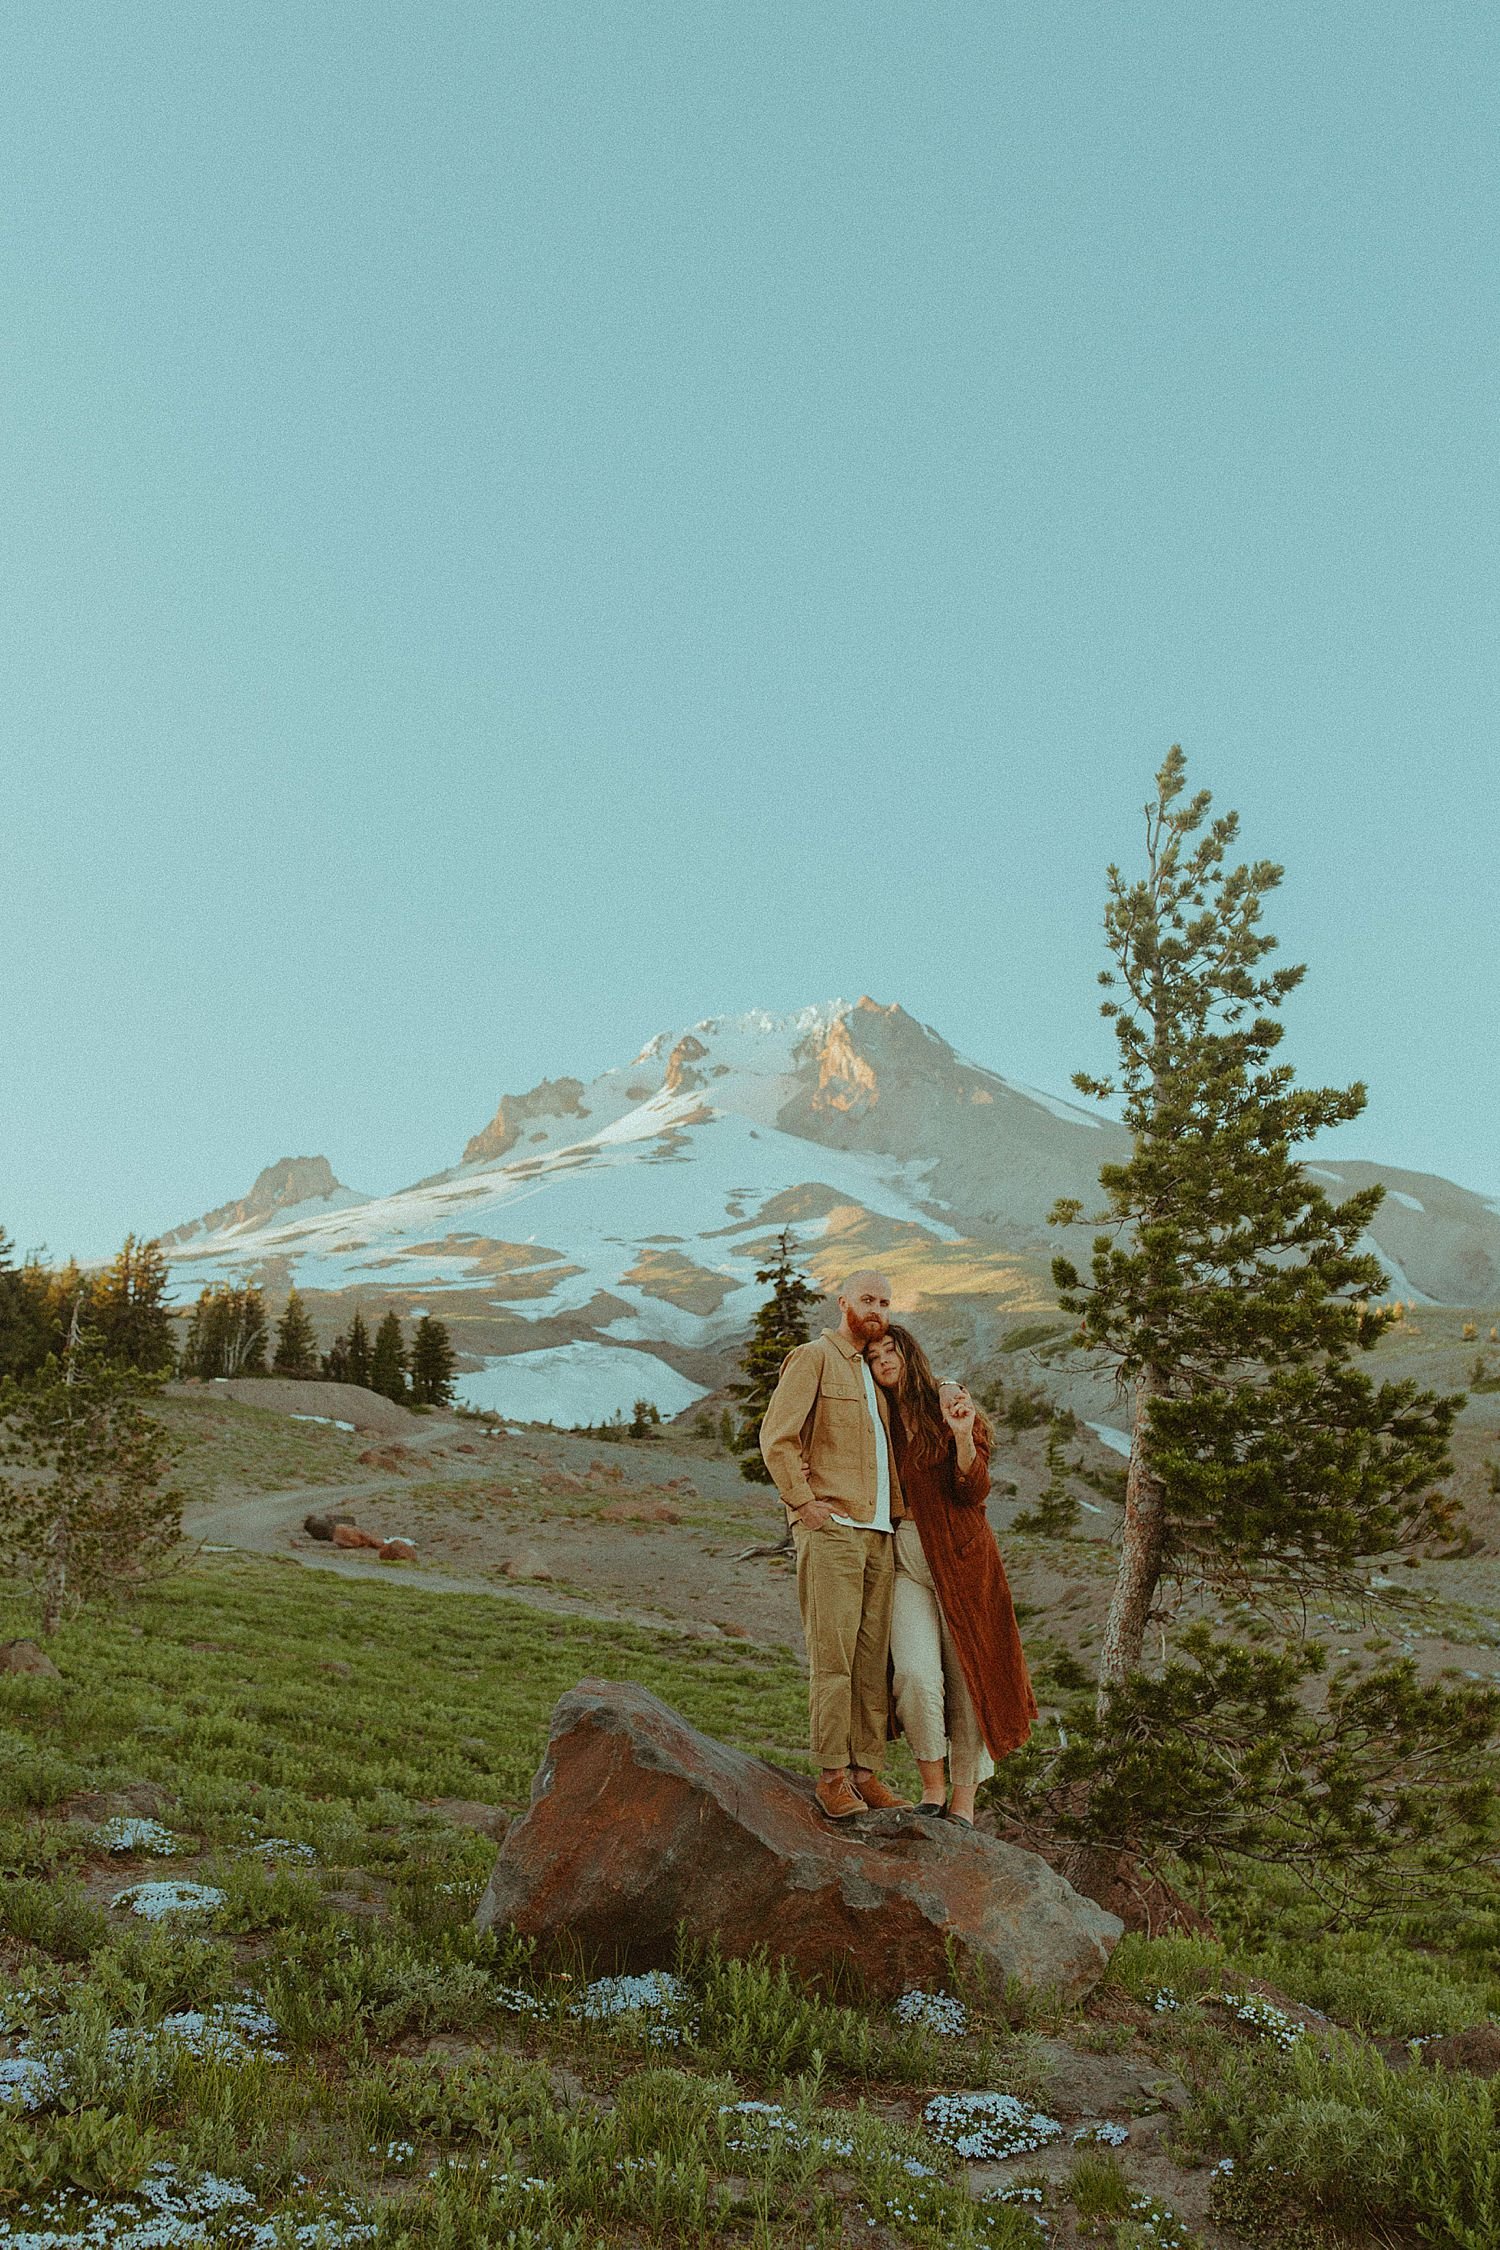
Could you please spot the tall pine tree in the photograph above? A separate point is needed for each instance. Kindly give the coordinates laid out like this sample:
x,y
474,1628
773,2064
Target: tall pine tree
x,y
432,1364
357,1352
388,1360
296,1343
128,1311
1228,1293
227,1334
780,1325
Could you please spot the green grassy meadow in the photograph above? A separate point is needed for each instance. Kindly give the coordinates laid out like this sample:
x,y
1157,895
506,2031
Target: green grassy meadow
x,y
317,1749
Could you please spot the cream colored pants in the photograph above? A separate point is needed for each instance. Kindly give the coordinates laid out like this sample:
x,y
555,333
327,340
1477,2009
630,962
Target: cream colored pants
x,y
931,1694
844,1579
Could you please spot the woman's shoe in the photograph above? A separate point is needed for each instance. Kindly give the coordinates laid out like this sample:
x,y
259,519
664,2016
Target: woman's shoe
x,y
934,1808
957,1819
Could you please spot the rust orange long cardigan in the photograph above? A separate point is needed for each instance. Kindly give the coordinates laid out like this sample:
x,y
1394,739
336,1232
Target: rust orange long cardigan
x,y
947,1505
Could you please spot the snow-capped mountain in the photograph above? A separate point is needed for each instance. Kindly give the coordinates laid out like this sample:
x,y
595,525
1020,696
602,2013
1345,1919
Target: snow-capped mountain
x,y
598,1241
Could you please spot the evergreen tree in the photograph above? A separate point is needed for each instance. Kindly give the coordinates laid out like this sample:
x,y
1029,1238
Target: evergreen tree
x,y
128,1312
780,1325
25,1324
388,1361
1229,1294
89,1508
227,1334
358,1352
432,1364
336,1361
296,1343
1231,1298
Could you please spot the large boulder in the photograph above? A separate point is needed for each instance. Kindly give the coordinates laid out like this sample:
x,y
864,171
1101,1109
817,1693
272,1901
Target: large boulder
x,y
639,1824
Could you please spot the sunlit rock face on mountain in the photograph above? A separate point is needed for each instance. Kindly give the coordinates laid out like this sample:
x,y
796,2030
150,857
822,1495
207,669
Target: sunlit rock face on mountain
x,y
295,1188
599,1239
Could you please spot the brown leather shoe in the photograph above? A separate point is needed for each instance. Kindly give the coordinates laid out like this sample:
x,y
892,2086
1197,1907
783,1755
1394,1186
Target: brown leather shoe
x,y
878,1797
839,1798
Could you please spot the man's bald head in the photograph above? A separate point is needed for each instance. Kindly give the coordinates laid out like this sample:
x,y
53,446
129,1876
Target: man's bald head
x,y
865,1302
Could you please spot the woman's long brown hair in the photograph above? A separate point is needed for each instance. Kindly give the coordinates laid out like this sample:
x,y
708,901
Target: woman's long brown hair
x,y
927,1435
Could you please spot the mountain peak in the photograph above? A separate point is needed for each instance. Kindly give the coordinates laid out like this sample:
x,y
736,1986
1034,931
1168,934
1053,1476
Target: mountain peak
x,y
293,1184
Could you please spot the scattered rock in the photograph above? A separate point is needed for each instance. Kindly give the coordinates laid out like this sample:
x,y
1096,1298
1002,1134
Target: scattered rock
x,y
640,1511
610,1471
398,1550
1476,2050
638,1824
466,1449
395,1460
526,1563
350,1535
27,1656
1080,2084
563,1480
684,1485
321,1524
733,1632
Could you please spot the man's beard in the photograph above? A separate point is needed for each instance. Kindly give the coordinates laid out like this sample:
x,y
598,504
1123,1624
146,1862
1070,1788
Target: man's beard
x,y
868,1327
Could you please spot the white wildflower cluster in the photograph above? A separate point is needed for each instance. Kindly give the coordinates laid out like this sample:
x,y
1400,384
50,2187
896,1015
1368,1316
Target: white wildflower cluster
x,y
1159,2226
515,2002
156,1902
30,2081
1104,2134
658,1996
1263,2016
984,2128
231,2033
1225,2164
1164,2000
937,2012
170,2211
128,1834
1010,2192
760,2127
394,2152
281,1848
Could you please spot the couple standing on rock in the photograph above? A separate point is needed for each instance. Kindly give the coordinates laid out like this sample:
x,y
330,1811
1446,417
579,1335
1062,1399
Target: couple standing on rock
x,y
885,1473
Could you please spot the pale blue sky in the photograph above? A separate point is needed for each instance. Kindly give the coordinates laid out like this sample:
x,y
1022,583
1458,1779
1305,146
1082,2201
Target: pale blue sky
x,y
528,525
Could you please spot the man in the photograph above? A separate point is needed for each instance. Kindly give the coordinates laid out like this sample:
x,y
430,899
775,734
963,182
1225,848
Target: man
x,y
826,1442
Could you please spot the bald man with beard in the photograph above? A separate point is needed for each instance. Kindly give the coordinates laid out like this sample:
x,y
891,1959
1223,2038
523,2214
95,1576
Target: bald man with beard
x,y
826,1441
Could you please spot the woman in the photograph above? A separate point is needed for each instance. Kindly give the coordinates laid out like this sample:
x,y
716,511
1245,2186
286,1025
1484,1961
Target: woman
x,y
960,1674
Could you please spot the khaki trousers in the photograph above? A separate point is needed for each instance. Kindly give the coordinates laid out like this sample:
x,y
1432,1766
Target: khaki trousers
x,y
844,1581
932,1696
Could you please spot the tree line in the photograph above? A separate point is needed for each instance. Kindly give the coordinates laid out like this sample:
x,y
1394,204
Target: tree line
x,y
123,1311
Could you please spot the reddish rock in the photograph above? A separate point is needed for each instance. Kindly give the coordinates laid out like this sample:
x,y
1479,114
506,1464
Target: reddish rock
x,y
320,1525
398,1550
27,1656
638,1823
525,1563
350,1535
396,1460
640,1511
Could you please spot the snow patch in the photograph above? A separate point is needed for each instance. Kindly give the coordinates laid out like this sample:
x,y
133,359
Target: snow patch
x,y
574,1383
1407,1202
1116,1440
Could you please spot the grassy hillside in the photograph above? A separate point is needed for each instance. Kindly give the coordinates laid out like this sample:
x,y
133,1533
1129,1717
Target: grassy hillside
x,y
318,1752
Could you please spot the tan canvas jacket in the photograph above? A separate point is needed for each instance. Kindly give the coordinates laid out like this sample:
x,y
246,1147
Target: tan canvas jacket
x,y
817,1439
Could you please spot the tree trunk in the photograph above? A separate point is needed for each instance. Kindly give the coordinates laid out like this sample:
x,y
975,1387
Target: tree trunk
x,y
1141,1546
